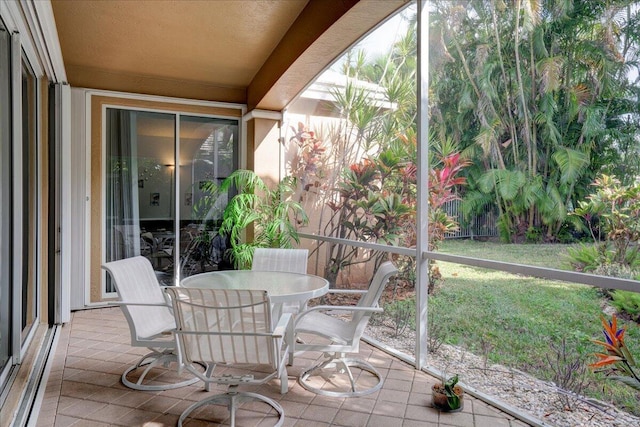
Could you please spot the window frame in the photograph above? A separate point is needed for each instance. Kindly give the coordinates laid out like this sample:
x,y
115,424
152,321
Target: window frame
x,y
20,340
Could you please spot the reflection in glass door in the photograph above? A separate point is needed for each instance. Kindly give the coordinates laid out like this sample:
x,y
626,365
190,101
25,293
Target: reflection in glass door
x,y
140,149
207,156
29,183
141,179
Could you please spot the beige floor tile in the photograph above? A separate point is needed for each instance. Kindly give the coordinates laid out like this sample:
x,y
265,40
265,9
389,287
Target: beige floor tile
x,y
351,418
383,421
82,409
384,407
394,396
359,405
108,413
421,412
135,417
84,389
461,419
485,421
397,384
319,413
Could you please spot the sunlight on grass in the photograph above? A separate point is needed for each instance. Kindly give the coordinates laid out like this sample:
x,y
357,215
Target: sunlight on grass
x,y
542,255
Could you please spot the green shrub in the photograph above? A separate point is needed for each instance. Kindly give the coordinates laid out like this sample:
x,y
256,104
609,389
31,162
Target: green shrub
x,y
533,235
626,302
613,212
569,234
584,258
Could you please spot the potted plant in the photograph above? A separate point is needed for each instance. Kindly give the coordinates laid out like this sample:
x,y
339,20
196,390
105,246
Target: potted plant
x,y
448,395
271,215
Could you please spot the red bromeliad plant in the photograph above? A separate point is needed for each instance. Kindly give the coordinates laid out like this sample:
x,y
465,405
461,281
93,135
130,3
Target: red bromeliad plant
x,y
443,181
442,185
618,361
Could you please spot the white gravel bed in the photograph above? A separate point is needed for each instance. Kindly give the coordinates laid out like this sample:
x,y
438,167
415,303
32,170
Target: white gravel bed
x,y
530,395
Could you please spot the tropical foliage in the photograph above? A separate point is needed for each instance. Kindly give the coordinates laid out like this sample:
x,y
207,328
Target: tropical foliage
x,y
362,177
617,361
538,96
269,213
611,215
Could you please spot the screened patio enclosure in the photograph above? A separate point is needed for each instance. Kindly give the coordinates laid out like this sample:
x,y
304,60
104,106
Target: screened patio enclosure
x,y
157,117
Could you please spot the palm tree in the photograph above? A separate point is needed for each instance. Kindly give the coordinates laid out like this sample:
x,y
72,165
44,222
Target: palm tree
x,y
531,94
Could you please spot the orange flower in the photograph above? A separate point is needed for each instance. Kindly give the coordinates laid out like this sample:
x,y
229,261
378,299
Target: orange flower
x,y
618,359
613,335
605,359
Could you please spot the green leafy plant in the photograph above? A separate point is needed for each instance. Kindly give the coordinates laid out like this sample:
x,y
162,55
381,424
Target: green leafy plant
x,y
627,302
452,394
270,214
533,235
450,391
613,211
618,362
584,257
534,124
370,207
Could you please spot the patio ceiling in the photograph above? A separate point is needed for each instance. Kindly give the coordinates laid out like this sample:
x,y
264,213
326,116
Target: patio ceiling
x,y
259,53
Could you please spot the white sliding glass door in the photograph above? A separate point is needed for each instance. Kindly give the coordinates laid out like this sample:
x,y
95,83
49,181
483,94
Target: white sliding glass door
x,y
161,175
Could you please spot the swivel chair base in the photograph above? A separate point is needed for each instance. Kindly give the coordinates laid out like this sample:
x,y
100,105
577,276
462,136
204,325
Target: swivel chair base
x,y
147,363
342,366
232,399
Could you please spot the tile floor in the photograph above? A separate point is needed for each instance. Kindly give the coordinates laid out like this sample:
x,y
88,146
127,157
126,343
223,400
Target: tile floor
x,y
84,389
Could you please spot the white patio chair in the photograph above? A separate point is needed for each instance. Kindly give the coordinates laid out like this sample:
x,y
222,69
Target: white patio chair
x,y
231,327
150,320
344,336
275,259
287,260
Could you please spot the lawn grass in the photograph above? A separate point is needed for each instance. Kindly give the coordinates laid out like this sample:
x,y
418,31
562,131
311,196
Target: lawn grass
x,y
517,318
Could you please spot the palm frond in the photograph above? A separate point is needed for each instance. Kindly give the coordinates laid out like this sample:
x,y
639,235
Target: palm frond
x,y
244,181
509,183
550,70
571,163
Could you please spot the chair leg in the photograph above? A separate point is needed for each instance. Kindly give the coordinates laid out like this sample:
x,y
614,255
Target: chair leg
x,y
348,371
232,400
284,381
148,362
208,373
341,365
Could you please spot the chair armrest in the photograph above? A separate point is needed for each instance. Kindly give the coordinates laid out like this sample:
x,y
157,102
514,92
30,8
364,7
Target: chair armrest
x,y
282,326
351,308
166,295
342,308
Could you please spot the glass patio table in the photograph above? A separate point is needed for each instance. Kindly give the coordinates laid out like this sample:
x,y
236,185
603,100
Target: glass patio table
x,y
281,286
